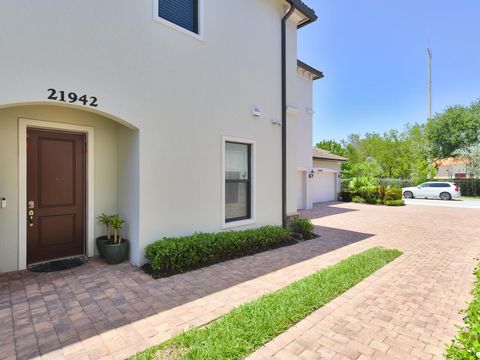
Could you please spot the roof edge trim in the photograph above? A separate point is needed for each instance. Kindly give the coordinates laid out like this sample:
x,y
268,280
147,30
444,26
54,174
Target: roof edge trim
x,y
317,74
305,10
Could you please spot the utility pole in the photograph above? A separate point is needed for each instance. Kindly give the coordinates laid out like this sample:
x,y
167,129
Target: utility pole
x,y
429,83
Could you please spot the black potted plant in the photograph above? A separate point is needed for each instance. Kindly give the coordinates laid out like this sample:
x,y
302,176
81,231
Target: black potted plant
x,y
116,251
101,240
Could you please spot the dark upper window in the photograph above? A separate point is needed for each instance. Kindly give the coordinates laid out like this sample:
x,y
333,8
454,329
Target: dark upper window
x,y
238,181
440,185
183,13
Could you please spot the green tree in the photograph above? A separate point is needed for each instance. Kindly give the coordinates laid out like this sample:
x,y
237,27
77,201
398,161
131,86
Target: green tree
x,y
455,128
393,154
333,146
421,168
369,168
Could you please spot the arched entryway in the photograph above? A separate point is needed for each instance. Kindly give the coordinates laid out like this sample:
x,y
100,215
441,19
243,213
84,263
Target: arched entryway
x,y
110,175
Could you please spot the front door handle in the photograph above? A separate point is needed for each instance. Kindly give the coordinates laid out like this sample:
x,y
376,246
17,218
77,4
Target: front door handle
x,y
31,206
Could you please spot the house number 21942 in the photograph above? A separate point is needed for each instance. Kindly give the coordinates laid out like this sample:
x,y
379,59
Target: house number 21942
x,y
72,97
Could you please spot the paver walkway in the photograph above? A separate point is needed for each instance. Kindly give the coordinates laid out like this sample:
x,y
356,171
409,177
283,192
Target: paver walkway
x,y
408,309
97,310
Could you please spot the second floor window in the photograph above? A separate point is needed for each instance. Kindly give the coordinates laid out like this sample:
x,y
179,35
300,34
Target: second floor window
x,y
183,13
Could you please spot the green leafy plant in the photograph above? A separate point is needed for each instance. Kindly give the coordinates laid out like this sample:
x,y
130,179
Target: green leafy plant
x,y
394,202
387,193
363,186
358,200
302,226
393,194
395,183
466,345
178,254
248,327
116,223
106,220
346,196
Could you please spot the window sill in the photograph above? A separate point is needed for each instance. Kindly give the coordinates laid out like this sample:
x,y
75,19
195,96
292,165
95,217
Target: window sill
x,y
179,28
234,224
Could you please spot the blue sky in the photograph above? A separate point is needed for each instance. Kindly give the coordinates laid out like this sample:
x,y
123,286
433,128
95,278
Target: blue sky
x,y
374,55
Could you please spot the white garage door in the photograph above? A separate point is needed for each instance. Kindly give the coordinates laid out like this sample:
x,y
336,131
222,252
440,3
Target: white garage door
x,y
322,187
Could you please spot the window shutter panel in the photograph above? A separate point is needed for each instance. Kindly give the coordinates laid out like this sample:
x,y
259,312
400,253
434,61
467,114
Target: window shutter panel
x,y
183,13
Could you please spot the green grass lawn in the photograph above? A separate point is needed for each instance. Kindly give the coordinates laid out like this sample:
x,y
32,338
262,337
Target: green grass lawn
x,y
248,327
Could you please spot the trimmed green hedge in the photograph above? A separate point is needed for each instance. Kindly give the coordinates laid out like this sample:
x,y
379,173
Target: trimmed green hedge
x,y
394,202
175,255
466,344
302,226
468,187
378,195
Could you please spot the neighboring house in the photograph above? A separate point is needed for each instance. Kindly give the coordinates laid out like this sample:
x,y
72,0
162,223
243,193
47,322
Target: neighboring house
x,y
180,116
326,182
322,181
451,168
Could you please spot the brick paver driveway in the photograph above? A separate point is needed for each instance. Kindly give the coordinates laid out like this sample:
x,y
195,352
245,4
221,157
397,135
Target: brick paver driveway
x,y
100,311
408,309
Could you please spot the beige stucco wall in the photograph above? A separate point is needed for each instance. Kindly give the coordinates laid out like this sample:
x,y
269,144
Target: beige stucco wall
x,y
105,168
183,94
300,142
327,164
448,172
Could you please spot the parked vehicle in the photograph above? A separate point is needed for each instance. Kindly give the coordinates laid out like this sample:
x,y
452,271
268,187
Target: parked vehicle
x,y
442,190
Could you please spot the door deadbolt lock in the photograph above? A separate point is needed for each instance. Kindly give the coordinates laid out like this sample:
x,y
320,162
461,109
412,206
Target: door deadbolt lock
x,y
31,204
30,213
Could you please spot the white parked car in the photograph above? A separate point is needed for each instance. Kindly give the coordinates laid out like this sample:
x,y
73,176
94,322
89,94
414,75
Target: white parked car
x,y
442,190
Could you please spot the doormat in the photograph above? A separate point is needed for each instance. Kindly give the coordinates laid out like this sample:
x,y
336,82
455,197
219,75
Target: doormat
x,y
58,265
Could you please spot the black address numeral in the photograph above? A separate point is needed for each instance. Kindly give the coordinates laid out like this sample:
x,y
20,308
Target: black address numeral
x,y
72,97
52,95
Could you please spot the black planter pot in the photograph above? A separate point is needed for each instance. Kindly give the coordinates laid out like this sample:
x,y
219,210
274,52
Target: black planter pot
x,y
100,241
116,253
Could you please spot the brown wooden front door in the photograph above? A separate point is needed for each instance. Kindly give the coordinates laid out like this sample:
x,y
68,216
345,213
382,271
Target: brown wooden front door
x,y
55,195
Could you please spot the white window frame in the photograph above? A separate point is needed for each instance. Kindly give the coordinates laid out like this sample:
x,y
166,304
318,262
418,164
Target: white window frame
x,y
233,224
199,36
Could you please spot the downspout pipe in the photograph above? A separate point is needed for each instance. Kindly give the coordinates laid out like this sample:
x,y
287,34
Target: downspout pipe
x,y
284,112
